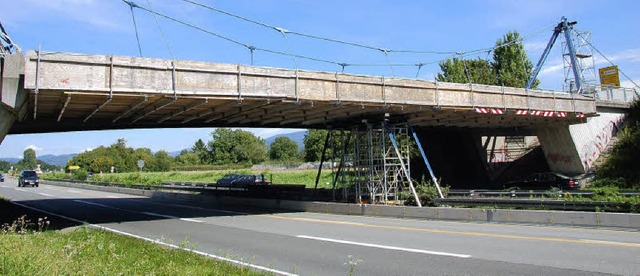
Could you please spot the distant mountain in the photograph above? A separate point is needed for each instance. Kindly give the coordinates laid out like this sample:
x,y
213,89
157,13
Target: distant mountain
x,y
297,137
57,160
11,160
174,153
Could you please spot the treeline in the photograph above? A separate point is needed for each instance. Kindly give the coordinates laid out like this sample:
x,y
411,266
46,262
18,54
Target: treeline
x,y
29,162
227,148
509,65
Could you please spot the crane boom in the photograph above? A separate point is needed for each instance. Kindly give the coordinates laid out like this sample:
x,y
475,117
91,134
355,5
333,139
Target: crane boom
x,y
566,27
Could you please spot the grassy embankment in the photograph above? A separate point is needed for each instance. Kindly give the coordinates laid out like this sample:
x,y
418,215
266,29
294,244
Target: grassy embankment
x,y
26,248
304,177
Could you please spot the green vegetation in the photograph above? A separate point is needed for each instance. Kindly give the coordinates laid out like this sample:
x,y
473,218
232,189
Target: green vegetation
x,y
510,66
283,149
236,146
28,162
427,193
304,177
122,158
610,194
622,168
84,251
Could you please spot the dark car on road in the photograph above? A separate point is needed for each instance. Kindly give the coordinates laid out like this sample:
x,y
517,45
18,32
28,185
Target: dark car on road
x,y
1,178
243,180
28,178
541,181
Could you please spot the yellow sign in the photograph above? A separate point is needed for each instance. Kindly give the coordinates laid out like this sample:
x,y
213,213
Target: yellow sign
x,y
73,168
609,76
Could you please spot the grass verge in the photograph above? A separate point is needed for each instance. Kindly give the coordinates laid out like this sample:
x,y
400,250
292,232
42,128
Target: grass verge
x,y
85,251
27,249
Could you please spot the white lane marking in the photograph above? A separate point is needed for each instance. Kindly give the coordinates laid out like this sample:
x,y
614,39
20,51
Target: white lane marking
x,y
194,207
111,196
192,220
46,195
74,192
612,242
129,211
387,247
97,204
279,272
159,215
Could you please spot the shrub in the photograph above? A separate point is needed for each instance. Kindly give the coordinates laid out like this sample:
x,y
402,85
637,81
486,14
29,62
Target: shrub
x,y
427,193
80,174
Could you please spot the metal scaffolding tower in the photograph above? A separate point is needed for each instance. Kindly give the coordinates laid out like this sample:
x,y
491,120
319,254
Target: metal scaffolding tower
x,y
585,64
372,171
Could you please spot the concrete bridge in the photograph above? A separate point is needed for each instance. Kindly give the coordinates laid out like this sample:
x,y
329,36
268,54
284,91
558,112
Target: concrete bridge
x,y
56,92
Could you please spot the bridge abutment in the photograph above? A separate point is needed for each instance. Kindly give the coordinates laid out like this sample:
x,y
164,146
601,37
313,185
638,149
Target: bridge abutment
x,y
572,149
12,94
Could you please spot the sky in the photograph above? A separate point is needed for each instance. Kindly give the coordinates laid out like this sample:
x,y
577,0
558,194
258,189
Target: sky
x,y
106,27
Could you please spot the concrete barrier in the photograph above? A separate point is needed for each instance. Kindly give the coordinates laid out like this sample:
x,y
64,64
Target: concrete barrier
x,y
549,217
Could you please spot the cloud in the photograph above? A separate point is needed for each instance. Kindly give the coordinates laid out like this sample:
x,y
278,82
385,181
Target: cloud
x,y
554,68
629,84
535,46
87,150
628,55
34,147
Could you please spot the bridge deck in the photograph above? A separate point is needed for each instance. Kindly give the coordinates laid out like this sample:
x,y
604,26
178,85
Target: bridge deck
x,y
82,92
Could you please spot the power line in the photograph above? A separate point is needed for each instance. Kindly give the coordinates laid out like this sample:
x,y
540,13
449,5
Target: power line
x,y
342,64
135,26
608,60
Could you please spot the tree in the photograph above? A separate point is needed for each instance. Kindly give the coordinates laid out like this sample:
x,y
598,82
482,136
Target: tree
x,y
455,70
283,149
510,66
200,149
29,160
314,144
101,164
510,63
187,158
236,146
163,162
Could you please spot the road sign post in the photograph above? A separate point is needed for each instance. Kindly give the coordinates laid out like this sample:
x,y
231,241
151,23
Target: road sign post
x,y
140,164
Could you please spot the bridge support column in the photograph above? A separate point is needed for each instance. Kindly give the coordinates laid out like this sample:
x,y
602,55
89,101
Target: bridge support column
x,y
573,149
7,118
12,94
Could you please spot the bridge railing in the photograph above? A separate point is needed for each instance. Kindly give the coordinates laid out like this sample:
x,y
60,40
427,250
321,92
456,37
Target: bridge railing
x,y
612,93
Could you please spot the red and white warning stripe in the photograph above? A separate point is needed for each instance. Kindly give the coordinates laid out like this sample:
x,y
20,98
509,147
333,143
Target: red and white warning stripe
x,y
580,115
541,113
489,110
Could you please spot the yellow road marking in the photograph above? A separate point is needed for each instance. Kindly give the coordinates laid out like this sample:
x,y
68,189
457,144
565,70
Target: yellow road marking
x,y
586,228
467,233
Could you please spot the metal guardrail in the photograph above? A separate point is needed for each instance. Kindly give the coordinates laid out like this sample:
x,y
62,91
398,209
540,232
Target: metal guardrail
x,y
533,204
528,193
609,93
267,191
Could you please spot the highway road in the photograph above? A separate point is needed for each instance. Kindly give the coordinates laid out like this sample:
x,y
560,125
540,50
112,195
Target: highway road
x,y
291,243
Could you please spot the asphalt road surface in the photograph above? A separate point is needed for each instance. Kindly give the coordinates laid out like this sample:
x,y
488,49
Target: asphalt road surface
x,y
303,243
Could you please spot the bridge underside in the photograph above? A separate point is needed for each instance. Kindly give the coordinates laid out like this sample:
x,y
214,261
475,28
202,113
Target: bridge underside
x,y
70,92
57,111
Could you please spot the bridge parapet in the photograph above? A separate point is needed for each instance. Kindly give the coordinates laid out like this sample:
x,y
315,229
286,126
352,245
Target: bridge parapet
x,y
95,73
